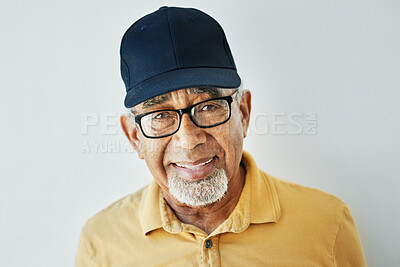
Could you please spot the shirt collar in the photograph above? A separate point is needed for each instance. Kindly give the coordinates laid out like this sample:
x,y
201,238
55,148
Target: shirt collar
x,y
258,203
264,198
149,211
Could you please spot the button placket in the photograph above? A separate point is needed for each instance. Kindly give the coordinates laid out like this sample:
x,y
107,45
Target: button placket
x,y
211,251
209,243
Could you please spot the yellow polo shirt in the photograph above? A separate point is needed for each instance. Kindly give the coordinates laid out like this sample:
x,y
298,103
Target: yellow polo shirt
x,y
275,223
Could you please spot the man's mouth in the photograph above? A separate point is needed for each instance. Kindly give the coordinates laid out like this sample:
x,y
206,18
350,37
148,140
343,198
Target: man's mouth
x,y
193,166
195,170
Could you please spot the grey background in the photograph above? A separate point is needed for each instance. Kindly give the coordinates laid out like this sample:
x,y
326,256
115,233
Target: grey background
x,y
60,63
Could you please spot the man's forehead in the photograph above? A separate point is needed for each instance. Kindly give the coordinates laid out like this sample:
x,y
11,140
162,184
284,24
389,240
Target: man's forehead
x,y
213,92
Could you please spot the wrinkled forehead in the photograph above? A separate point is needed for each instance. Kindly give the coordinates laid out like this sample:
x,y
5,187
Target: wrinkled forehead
x,y
211,92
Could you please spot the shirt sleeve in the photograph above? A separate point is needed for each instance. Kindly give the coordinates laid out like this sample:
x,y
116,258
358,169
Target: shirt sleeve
x,y
85,253
348,250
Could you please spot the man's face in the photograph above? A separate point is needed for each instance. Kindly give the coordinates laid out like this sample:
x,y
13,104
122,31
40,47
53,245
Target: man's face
x,y
192,154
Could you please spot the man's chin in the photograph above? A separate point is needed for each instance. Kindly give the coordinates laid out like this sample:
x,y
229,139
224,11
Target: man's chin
x,y
200,192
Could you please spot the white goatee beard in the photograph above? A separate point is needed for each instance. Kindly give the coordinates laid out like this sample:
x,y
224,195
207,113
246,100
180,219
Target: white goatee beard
x,y
200,192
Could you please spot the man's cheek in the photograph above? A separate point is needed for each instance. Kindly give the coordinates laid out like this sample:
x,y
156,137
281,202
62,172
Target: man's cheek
x,y
151,148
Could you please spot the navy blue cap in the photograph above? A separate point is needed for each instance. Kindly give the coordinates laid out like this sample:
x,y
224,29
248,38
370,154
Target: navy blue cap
x,y
175,48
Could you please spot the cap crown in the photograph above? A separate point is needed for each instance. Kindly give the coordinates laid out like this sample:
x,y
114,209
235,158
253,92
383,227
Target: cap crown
x,y
171,39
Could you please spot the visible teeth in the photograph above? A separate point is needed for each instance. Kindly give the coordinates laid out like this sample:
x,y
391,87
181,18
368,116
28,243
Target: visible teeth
x,y
179,165
191,166
208,161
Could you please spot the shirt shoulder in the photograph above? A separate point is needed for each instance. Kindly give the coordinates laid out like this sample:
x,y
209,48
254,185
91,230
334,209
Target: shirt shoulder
x,y
111,235
312,216
122,211
322,219
308,208
308,197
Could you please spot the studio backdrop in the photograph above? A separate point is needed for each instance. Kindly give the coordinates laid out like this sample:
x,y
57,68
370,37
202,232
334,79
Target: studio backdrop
x,y
324,77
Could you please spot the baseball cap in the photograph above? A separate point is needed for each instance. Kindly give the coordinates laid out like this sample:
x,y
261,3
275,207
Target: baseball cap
x,y
175,48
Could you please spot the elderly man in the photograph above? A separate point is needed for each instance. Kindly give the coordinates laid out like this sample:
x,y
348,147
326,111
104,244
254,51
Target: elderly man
x,y
208,204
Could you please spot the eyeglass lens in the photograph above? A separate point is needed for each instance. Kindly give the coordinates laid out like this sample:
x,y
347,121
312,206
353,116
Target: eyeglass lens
x,y
204,114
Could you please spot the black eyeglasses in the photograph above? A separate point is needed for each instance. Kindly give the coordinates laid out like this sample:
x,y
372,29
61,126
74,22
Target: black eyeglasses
x,y
206,114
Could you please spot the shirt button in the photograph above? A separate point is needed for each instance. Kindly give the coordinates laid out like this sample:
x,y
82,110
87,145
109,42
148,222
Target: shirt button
x,y
209,243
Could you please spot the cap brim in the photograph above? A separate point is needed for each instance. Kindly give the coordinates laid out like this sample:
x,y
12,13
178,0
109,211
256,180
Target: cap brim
x,y
180,79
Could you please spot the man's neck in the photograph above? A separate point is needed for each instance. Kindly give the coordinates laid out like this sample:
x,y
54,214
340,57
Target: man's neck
x,y
209,217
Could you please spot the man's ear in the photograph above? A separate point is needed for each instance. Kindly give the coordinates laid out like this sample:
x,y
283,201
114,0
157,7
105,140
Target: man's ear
x,y
245,109
129,127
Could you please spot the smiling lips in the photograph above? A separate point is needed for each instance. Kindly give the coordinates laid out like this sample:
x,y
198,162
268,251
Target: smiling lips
x,y
195,170
193,166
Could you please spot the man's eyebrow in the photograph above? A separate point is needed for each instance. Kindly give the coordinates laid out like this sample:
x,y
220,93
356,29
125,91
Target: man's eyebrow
x,y
155,101
213,92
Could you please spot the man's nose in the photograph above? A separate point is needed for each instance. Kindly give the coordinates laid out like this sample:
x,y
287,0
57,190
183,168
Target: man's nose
x,y
189,135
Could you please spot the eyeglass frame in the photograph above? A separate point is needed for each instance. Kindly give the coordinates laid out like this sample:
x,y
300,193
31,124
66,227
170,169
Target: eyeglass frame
x,y
183,111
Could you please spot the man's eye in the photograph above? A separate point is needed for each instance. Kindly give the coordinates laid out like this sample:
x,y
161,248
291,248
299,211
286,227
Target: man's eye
x,y
209,107
162,115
